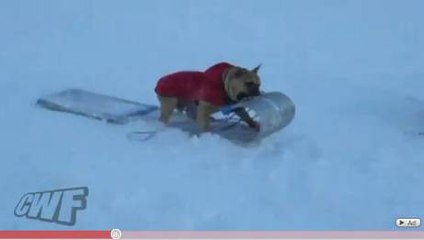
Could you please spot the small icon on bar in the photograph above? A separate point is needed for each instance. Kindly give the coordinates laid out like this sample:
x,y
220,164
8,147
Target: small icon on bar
x,y
115,234
408,222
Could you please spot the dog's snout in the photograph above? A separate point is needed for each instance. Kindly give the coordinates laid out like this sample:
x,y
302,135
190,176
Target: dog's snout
x,y
241,96
256,92
253,89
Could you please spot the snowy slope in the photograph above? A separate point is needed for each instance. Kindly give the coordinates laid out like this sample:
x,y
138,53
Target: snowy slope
x,y
354,68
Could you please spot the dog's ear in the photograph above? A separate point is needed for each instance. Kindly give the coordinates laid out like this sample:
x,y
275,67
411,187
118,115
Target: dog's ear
x,y
256,69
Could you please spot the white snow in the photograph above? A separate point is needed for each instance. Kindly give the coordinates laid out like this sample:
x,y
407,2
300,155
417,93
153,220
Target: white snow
x,y
354,68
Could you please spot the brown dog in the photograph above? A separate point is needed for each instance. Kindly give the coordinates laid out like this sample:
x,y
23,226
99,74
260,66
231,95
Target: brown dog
x,y
201,94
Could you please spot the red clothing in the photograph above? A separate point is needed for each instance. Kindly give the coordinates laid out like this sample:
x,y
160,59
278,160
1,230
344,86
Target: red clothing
x,y
205,86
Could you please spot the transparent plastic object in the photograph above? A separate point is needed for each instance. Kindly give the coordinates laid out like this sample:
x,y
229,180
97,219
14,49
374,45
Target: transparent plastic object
x,y
273,111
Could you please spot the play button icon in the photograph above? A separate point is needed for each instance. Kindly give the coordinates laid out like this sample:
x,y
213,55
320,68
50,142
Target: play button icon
x,y
408,222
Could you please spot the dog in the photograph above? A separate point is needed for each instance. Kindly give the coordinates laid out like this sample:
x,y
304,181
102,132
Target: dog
x,y
201,94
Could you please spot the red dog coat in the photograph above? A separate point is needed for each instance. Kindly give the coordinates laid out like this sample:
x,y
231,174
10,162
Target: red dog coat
x,y
205,86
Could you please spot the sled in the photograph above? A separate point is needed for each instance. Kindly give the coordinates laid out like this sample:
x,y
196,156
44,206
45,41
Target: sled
x,y
273,111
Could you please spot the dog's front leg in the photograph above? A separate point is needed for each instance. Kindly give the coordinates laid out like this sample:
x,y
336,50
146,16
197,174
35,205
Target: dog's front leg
x,y
204,111
244,115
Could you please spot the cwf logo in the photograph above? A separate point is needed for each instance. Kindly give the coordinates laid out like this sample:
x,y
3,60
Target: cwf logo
x,y
58,206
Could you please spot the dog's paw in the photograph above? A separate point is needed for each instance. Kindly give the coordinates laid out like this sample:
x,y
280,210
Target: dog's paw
x,y
255,125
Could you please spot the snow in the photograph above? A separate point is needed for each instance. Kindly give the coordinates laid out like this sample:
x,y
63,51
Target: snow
x,y
348,161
